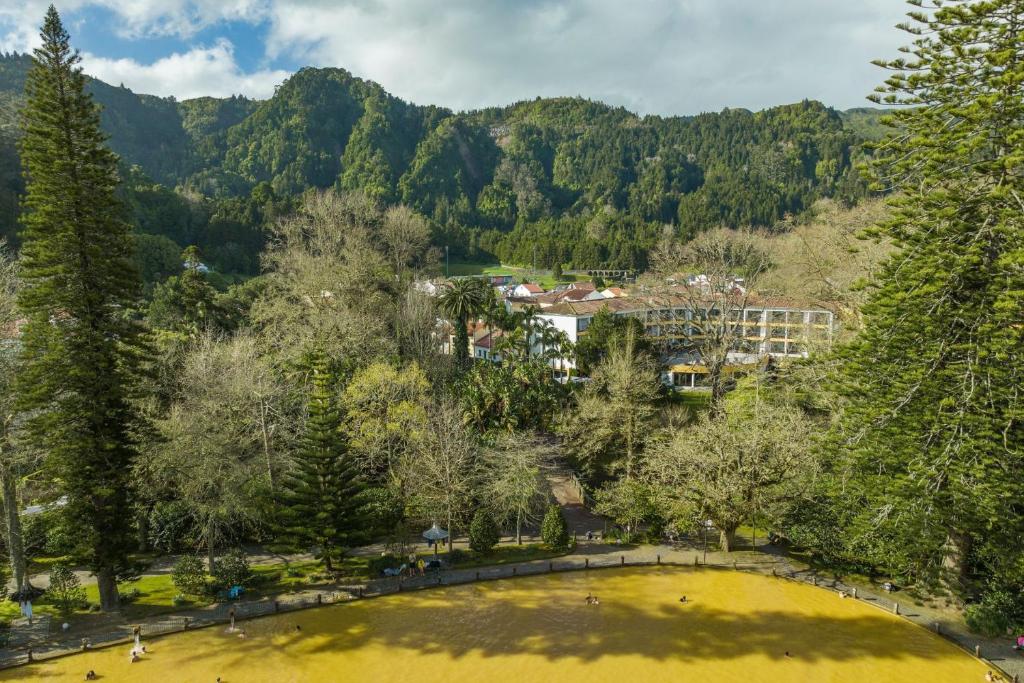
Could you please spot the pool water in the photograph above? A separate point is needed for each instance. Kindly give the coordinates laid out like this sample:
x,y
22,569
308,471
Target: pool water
x,y
734,627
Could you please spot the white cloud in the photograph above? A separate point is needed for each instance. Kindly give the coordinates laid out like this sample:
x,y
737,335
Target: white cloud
x,y
200,71
134,19
659,56
653,56
182,18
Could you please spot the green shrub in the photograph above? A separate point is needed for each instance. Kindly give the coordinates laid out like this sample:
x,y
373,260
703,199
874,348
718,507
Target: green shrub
x,y
189,575
130,596
553,530
483,532
379,564
232,569
65,589
998,612
457,556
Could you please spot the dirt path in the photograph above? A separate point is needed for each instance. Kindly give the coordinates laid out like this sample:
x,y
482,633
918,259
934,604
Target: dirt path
x,y
577,516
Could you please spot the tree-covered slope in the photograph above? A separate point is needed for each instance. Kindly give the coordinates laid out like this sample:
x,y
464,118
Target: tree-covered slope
x,y
570,180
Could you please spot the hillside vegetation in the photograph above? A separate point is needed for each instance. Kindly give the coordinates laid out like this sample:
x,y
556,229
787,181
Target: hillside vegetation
x,y
562,180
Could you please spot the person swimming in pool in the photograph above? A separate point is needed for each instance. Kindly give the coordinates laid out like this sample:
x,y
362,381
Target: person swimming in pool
x,y
683,599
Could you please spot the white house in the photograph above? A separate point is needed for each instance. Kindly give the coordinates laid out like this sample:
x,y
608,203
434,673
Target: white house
x,y
527,289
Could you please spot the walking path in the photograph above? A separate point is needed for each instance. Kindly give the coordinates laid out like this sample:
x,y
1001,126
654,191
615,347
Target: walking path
x,y
594,555
567,494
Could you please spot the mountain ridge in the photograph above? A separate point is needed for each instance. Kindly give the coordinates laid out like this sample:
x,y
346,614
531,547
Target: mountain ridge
x,y
579,181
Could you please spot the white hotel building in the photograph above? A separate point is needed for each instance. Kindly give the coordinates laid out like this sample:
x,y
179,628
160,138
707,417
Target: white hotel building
x,y
761,328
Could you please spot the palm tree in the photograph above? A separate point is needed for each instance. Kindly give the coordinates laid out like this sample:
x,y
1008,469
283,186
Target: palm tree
x,y
461,301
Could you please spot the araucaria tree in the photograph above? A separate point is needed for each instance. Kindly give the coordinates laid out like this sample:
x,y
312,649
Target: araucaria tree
x,y
80,346
933,433
321,493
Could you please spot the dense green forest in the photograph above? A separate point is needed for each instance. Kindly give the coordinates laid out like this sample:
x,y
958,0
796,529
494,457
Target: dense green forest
x,y
562,180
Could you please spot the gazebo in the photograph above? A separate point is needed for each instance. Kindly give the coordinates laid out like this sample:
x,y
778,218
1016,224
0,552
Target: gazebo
x,y
435,534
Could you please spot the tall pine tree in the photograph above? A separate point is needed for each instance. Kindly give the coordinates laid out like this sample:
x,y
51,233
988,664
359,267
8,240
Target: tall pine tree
x,y
934,430
80,347
320,496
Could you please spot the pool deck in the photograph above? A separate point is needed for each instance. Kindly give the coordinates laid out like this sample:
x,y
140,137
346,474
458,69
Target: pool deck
x,y
766,560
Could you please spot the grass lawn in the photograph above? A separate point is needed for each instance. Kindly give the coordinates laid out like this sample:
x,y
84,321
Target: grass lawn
x,y
540,276
156,596
696,401
156,593
506,554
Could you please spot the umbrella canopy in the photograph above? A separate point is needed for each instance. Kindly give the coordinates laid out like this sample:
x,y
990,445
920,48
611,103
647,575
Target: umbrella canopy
x,y
435,533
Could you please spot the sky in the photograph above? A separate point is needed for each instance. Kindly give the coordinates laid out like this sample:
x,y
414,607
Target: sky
x,y
663,57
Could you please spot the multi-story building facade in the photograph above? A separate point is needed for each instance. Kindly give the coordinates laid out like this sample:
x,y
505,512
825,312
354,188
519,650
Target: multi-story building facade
x,y
746,329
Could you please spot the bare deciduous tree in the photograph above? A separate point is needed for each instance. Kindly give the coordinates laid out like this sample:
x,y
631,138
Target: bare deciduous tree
x,y
513,479
702,302
442,475
328,286
17,459
218,451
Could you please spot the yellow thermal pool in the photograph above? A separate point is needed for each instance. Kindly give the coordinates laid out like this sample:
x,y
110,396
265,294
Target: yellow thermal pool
x,y
734,627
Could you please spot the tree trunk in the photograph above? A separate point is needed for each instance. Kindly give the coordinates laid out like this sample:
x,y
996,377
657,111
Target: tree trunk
x,y
15,541
142,524
725,539
328,565
211,554
266,443
717,390
954,561
106,582
451,532
519,527
629,448
462,343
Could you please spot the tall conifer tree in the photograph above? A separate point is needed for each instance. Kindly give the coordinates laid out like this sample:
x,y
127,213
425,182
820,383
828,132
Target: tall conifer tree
x,y
935,426
80,347
320,504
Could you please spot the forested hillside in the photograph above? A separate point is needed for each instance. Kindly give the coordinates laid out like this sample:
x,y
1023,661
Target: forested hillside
x,y
561,180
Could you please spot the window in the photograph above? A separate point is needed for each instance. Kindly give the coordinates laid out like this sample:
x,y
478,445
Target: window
x,y
777,317
777,333
753,316
795,348
582,324
743,346
819,318
776,347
